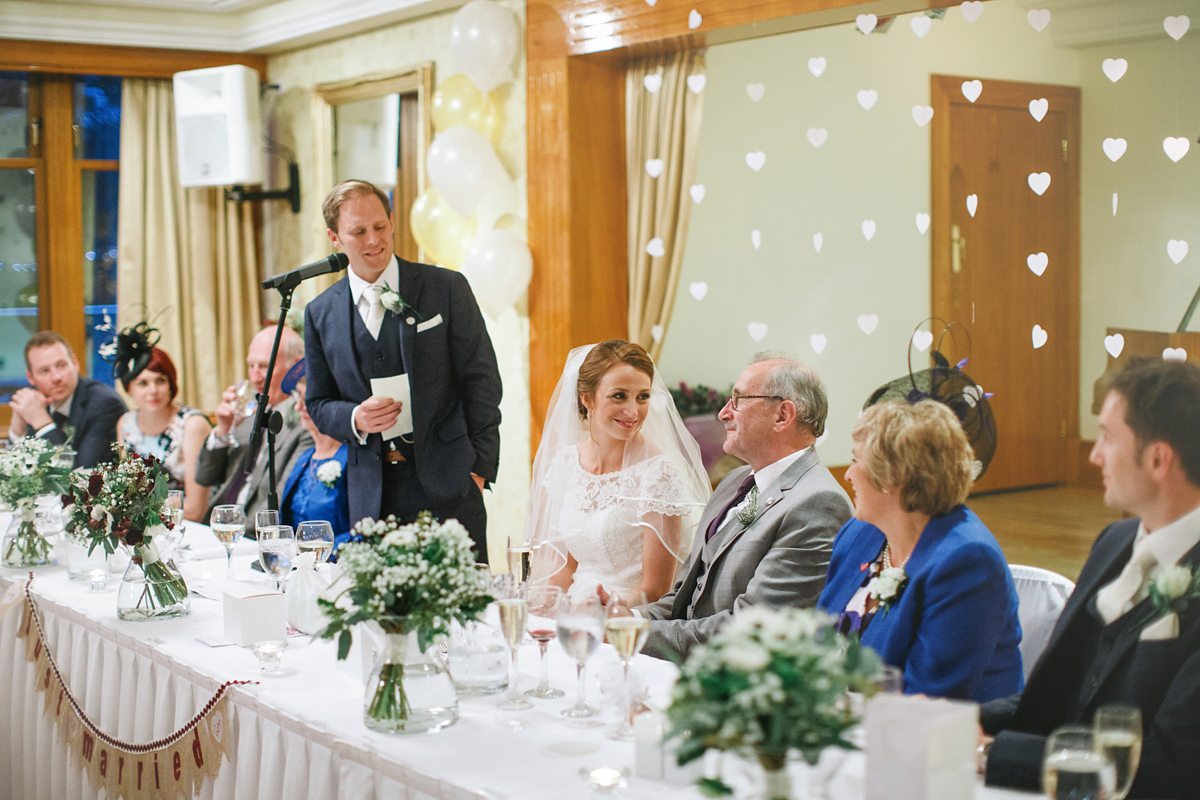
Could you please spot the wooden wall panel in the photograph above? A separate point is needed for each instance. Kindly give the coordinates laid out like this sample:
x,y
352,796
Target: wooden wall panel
x,y
128,62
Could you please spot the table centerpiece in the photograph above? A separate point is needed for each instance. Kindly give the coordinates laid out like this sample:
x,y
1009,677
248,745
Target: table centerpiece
x,y
29,468
769,681
125,504
412,580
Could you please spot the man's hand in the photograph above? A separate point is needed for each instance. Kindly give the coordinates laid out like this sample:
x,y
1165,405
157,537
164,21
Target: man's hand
x,y
29,412
377,414
478,481
224,411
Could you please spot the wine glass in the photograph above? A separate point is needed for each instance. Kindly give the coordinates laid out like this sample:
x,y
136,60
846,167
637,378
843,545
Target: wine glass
x,y
315,536
543,606
1118,732
267,518
228,523
276,549
580,625
1075,768
514,610
627,633
244,404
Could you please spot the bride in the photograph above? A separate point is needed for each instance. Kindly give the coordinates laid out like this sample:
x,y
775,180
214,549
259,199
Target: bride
x,y
618,484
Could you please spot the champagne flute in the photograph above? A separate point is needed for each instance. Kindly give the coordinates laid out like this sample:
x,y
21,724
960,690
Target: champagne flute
x,y
244,404
520,564
276,549
228,524
627,633
580,625
1074,768
175,509
514,611
1119,737
543,605
315,536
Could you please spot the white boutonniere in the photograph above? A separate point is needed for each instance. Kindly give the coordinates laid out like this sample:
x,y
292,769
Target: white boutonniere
x,y
748,514
329,473
396,304
887,586
1173,588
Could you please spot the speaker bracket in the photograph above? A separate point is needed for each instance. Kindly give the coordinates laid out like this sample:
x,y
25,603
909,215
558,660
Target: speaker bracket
x,y
240,194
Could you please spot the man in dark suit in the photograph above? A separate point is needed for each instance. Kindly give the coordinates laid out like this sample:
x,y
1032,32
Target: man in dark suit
x,y
766,535
402,324
1130,633
63,407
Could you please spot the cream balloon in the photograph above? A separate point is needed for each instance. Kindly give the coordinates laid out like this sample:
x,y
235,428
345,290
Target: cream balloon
x,y
483,38
458,102
463,167
444,234
499,267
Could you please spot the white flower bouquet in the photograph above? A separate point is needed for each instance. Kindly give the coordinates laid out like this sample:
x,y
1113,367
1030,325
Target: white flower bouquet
x,y
29,468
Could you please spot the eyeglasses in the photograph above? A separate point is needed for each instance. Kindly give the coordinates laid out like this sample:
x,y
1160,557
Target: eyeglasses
x,y
734,399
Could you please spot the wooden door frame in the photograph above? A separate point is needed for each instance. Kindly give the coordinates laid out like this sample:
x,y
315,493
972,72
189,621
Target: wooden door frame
x,y
945,92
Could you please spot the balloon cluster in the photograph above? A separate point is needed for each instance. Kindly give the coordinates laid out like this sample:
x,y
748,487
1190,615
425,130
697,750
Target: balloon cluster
x,y
455,220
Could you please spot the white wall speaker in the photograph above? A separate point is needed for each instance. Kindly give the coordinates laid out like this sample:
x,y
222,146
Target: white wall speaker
x,y
218,126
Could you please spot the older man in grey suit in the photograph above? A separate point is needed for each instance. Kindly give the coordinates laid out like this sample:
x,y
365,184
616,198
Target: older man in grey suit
x,y
767,532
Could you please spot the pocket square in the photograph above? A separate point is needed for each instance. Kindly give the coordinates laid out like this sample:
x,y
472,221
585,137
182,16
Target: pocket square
x,y
1165,627
433,322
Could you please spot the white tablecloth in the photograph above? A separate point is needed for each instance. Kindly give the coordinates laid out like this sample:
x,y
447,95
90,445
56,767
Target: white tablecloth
x,y
299,731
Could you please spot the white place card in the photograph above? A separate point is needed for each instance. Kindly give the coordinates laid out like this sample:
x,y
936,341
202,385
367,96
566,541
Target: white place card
x,y
920,749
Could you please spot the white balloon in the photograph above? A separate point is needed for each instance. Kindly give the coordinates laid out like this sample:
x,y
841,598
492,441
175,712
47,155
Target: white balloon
x,y
483,38
499,267
463,167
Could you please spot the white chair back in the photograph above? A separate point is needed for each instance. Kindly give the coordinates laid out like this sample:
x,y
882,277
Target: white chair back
x,y
1041,595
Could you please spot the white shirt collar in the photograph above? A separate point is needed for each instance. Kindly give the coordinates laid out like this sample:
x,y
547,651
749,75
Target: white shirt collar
x,y
65,408
390,276
769,475
1171,542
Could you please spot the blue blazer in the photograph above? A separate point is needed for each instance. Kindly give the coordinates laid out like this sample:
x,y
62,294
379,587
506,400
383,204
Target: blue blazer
x,y
302,501
954,629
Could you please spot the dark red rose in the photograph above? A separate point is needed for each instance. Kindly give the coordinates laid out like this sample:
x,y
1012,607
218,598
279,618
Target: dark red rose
x,y
67,500
133,538
95,524
95,484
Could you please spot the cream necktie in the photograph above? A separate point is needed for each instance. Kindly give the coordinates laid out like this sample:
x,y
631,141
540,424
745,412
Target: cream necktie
x,y
374,315
1117,597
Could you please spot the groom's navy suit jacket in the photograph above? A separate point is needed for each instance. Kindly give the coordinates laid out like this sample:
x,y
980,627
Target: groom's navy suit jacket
x,y
453,376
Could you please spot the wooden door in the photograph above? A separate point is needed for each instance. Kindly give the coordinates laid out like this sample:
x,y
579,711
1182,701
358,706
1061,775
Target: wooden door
x,y
981,267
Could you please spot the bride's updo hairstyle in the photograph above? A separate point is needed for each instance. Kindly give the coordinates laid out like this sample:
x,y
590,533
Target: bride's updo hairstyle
x,y
604,357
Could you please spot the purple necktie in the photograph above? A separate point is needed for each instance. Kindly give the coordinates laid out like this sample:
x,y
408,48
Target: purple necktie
x,y
738,497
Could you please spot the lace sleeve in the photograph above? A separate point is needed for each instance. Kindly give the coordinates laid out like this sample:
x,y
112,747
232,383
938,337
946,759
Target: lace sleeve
x,y
658,488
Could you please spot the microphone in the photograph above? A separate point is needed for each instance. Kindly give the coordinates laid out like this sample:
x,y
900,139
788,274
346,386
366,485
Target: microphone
x,y
335,263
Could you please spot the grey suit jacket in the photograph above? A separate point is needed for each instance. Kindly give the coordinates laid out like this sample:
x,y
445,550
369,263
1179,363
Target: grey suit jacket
x,y
779,560
218,466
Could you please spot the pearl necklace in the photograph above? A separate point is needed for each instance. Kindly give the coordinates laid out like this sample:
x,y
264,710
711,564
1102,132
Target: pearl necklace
x,y
887,557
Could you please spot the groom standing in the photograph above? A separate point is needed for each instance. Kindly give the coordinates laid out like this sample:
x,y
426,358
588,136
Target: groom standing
x,y
401,368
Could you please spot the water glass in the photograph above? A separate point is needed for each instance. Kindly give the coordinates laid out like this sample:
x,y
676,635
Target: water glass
x,y
1074,767
315,536
543,607
1118,732
228,523
276,551
580,625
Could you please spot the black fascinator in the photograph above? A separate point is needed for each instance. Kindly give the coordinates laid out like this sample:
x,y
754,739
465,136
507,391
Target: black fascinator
x,y
135,348
952,387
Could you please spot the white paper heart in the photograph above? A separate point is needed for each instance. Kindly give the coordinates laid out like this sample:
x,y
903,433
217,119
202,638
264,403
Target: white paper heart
x,y
867,323
697,192
922,222
921,340
818,342
867,98
1114,344
655,248
972,89
698,289
868,229
757,330
1039,336
972,203
818,242
656,332
756,91
1039,18
1176,27
1037,263
1114,204
817,136
1176,147
694,19
756,238
1114,68
697,83
972,9
1039,182
652,82
1038,108
922,114
756,160
817,66
1114,148
651,2
1174,354
921,25
1177,249
866,22
654,167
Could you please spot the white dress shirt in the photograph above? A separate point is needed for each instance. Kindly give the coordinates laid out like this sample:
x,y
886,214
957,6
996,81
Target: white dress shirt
x,y
390,277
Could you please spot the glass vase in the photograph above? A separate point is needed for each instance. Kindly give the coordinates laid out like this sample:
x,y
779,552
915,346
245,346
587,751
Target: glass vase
x,y
151,587
776,783
23,544
408,691
83,566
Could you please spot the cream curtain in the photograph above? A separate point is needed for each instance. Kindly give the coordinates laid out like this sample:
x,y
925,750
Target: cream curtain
x,y
188,260
661,125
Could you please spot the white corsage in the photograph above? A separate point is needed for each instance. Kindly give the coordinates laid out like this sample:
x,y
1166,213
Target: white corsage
x,y
329,473
885,587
